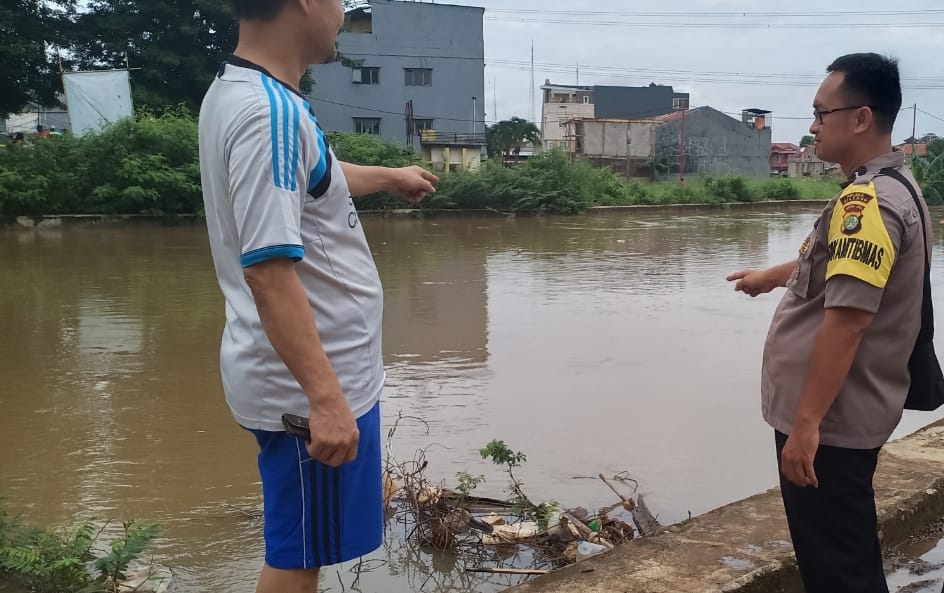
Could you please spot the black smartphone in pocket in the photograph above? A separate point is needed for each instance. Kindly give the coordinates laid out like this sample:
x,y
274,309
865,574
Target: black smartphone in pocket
x,y
297,426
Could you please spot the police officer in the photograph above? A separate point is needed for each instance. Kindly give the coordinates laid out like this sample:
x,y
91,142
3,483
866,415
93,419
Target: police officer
x,y
835,368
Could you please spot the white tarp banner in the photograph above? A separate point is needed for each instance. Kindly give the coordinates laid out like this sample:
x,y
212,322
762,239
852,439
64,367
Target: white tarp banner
x,y
96,99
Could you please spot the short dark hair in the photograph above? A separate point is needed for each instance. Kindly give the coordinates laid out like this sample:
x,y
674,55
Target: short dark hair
x,y
872,79
256,10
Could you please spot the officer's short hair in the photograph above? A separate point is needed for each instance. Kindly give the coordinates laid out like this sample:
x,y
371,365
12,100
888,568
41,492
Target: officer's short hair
x,y
256,10
873,80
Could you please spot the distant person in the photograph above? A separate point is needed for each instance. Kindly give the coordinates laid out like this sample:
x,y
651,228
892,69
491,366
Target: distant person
x,y
18,138
41,131
835,372
304,302
53,132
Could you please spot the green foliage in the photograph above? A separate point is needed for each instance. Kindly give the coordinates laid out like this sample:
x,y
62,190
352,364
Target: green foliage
x,y
125,550
935,146
148,164
807,141
929,173
28,73
49,562
178,46
506,138
547,183
51,176
151,165
724,190
364,149
544,512
45,561
501,454
780,189
467,483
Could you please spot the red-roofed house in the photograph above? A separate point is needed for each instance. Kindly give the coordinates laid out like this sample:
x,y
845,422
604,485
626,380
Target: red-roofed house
x,y
780,153
921,148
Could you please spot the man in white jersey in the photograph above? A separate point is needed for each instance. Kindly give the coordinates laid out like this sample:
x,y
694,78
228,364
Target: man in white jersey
x,y
303,298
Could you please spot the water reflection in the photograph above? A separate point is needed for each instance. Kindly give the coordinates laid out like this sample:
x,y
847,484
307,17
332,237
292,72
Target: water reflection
x,y
593,344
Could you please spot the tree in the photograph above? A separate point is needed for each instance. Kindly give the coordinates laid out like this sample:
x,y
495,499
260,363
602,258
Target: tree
x,y
28,73
807,141
935,146
177,45
508,136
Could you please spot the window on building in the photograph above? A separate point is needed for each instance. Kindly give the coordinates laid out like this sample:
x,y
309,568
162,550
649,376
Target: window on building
x,y
680,103
367,125
563,145
586,99
369,75
423,124
419,76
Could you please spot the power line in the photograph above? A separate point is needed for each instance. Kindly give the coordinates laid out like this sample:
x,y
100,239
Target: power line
x,y
717,25
817,76
568,68
937,117
699,79
715,14
425,57
925,84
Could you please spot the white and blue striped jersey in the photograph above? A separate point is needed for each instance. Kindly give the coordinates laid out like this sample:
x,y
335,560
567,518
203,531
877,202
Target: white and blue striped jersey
x,y
272,188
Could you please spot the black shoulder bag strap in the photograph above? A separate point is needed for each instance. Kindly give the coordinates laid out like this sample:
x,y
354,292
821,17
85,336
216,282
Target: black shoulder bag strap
x,y
926,391
927,306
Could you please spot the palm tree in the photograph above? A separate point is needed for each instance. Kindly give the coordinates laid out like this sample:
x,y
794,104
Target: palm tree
x,y
508,136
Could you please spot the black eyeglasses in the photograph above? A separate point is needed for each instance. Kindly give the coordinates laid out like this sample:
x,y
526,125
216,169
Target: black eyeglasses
x,y
818,114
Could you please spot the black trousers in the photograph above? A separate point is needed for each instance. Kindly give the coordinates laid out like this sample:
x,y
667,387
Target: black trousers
x,y
834,527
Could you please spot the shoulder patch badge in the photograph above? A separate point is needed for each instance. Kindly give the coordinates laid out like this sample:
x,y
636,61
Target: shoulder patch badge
x,y
859,244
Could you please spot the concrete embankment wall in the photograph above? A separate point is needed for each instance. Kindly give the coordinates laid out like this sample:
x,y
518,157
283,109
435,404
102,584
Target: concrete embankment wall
x,y
745,547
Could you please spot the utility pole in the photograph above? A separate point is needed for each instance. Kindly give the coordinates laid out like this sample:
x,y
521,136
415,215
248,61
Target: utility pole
x,y
410,123
474,114
914,130
531,94
682,152
494,99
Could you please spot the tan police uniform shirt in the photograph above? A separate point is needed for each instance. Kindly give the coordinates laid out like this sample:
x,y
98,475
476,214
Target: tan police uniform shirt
x,y
865,252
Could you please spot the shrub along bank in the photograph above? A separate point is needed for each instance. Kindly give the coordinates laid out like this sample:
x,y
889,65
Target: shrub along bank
x,y
149,164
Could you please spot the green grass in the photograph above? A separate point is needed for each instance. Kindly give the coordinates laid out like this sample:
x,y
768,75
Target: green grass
x,y
722,190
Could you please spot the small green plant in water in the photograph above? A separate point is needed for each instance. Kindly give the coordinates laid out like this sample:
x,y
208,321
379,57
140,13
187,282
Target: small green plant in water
x,y
500,454
467,483
125,550
47,561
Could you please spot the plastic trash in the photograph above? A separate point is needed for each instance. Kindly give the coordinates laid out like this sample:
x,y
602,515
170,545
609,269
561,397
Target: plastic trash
x,y
587,549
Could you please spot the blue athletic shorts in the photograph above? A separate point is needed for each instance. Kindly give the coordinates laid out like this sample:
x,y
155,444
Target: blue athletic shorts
x,y
316,515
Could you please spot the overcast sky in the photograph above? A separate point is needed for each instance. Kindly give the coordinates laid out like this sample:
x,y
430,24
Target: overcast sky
x,y
769,55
